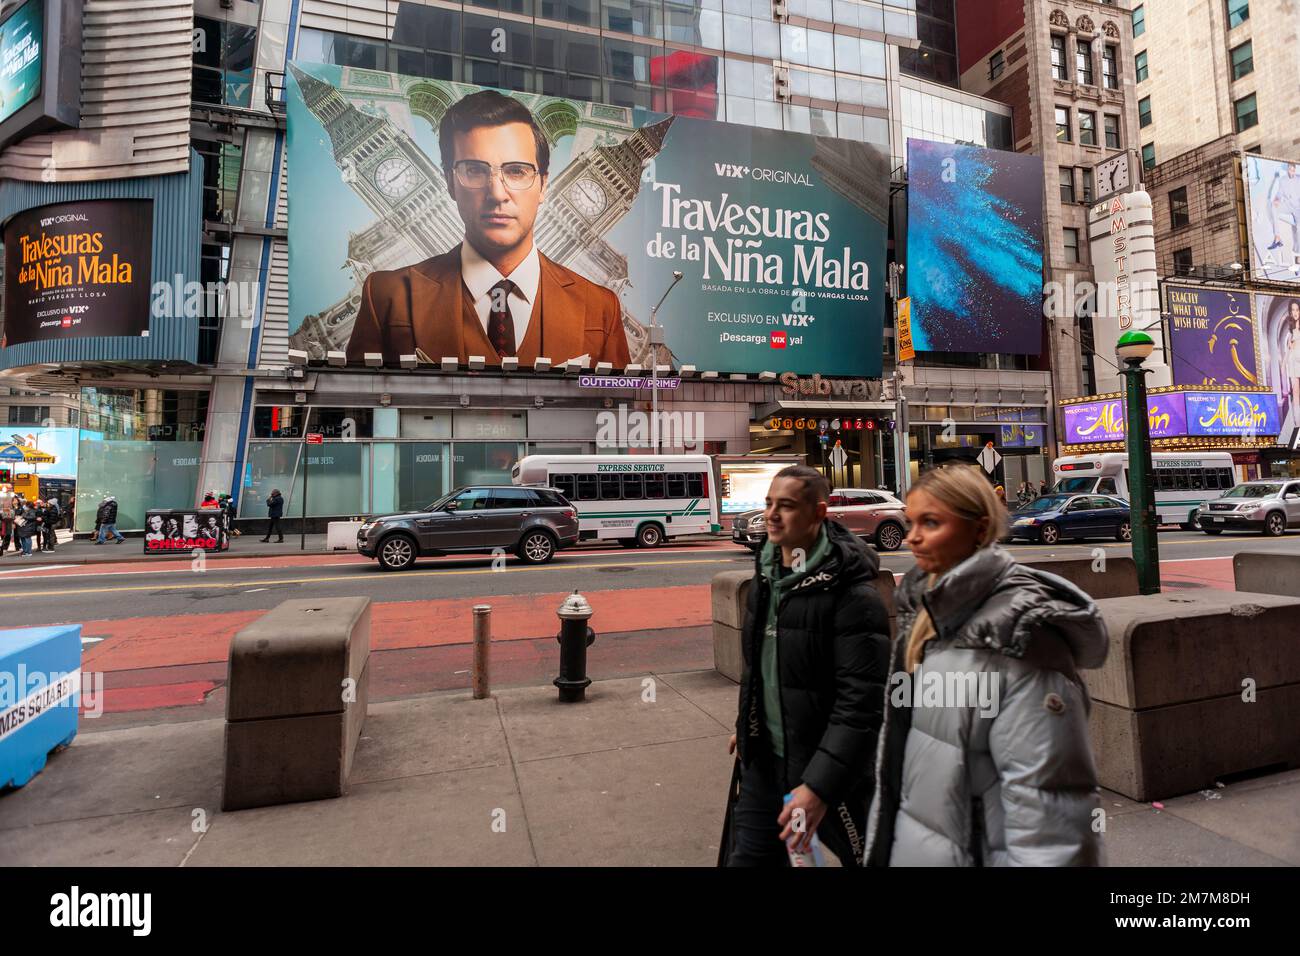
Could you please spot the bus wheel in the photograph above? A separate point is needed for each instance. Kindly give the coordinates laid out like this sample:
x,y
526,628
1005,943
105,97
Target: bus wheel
x,y
649,536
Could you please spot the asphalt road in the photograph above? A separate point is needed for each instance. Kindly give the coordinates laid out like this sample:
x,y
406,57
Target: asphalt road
x,y
77,594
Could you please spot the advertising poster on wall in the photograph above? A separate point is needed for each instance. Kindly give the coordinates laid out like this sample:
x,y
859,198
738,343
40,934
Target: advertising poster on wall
x,y
78,270
1278,319
1211,337
59,443
974,249
780,237
1273,210
166,532
21,42
1218,414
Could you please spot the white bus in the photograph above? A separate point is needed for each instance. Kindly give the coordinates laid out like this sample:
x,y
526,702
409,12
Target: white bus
x,y
1184,481
638,500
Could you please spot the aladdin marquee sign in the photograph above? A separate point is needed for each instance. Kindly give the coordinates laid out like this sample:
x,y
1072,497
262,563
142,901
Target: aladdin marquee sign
x,y
1246,415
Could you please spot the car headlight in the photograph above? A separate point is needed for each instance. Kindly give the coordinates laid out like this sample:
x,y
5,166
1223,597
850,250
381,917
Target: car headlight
x,y
757,521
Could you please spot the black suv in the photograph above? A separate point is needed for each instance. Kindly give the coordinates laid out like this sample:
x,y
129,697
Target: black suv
x,y
534,523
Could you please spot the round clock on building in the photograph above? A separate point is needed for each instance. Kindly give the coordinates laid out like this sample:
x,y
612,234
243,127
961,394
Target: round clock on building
x,y
395,177
588,197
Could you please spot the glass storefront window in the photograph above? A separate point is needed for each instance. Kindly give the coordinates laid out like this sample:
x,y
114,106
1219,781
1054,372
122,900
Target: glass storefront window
x,y
334,483
140,474
423,474
477,463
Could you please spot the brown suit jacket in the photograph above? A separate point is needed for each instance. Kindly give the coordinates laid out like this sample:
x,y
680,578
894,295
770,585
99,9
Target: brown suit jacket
x,y
426,307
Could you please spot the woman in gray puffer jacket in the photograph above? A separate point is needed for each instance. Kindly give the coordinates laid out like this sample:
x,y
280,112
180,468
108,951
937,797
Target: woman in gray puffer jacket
x,y
983,757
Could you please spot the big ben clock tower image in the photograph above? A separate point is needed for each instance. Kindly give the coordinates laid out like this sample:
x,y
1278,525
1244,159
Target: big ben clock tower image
x,y
415,217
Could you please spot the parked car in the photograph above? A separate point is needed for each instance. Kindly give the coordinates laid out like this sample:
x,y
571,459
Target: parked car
x,y
534,523
1054,518
1269,507
873,515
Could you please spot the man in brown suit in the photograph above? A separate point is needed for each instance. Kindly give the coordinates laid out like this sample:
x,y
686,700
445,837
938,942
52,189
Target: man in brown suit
x,y
494,295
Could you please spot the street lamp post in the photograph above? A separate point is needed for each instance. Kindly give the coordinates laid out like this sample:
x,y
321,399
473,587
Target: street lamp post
x,y
654,364
1133,348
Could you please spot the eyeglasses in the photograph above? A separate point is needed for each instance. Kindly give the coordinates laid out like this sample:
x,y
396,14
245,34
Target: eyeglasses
x,y
476,174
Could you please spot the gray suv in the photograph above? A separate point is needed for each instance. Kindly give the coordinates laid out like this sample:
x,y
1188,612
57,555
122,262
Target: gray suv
x,y
1269,506
534,523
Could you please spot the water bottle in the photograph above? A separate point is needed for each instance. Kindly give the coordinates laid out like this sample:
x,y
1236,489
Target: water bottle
x,y
809,857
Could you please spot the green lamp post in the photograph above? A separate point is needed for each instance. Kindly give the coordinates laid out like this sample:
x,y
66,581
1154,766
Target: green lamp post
x,y
1133,348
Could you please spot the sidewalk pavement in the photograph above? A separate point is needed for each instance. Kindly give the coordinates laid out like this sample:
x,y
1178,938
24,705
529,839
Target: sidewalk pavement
x,y
628,778
85,551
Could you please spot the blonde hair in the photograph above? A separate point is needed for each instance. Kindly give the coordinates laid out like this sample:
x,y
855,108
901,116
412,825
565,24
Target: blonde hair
x,y
964,491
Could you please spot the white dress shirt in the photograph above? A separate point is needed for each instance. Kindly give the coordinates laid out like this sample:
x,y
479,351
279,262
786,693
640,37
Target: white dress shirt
x,y
480,276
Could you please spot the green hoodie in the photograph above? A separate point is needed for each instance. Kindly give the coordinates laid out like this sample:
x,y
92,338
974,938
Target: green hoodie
x,y
781,581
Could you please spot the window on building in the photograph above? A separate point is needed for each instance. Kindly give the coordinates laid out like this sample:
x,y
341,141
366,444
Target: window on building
x,y
1243,60
1180,213
1058,58
1247,112
1110,67
1183,262
1063,125
1083,63
1111,124
1149,156
1144,112
1087,186
1087,128
1238,12
28,414
997,63
1071,245
1254,149
1067,184
1139,20
1143,67
223,62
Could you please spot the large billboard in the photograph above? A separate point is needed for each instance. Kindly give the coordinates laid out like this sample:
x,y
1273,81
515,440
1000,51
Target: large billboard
x,y
21,41
1211,337
1278,318
78,270
974,249
564,227
1273,210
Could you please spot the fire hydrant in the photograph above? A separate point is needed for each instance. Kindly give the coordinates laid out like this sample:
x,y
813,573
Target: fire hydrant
x,y
574,637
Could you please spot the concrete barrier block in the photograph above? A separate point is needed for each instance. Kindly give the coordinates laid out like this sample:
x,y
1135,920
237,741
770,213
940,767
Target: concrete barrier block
x,y
1118,579
1196,685
296,702
728,659
730,589
1267,573
40,688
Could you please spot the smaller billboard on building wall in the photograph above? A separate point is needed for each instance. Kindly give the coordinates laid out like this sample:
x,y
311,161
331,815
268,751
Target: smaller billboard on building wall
x,y
1278,319
22,39
1222,414
974,249
1212,338
1273,205
78,270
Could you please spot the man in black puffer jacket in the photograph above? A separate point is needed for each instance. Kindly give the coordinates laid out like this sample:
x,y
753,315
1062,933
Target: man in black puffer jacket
x,y
816,652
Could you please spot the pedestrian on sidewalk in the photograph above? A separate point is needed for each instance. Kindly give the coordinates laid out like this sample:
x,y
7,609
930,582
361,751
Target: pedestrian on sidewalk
x,y
25,521
1042,487
815,644
50,518
274,511
8,506
106,521
228,513
1025,495
1002,773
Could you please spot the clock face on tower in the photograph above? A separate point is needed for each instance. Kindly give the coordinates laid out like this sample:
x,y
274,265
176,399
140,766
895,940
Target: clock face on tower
x,y
588,197
1113,175
395,177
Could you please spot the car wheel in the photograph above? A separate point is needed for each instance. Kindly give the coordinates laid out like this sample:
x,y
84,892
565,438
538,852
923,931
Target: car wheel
x,y
1125,532
1049,533
889,537
1275,524
397,552
537,547
649,536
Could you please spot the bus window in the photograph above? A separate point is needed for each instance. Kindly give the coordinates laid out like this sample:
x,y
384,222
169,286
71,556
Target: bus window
x,y
654,486
695,485
1075,486
633,487
610,488
1226,478
676,485
1180,479
1196,479
586,487
565,485
1106,486
1164,480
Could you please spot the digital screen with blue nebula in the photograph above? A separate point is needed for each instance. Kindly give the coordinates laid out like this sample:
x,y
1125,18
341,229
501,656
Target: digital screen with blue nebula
x,y
974,249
